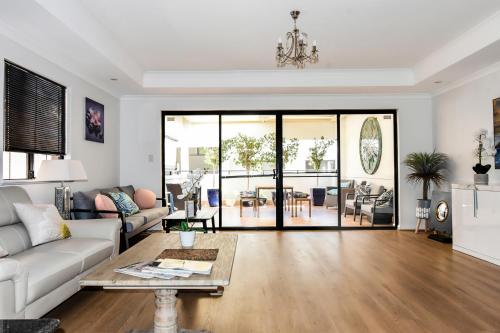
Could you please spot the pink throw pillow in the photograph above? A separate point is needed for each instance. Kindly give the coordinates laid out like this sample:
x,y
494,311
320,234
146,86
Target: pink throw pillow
x,y
103,202
144,198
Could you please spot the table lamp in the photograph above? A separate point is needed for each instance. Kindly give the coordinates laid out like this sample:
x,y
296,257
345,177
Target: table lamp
x,y
62,171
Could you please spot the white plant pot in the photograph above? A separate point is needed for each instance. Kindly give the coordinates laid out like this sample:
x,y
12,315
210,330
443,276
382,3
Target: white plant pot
x,y
187,239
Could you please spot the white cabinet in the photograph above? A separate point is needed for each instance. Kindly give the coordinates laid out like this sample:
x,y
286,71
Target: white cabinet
x,y
476,221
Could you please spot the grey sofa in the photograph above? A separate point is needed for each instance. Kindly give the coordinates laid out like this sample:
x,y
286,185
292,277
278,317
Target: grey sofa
x,y
35,279
84,208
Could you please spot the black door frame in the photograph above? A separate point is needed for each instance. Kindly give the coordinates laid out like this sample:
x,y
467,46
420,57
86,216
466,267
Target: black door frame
x,y
279,151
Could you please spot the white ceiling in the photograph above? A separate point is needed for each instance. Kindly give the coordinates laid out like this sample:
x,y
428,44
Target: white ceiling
x,y
224,46
239,35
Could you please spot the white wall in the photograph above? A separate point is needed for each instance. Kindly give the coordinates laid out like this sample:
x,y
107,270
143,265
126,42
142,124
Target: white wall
x,y
458,115
101,161
140,131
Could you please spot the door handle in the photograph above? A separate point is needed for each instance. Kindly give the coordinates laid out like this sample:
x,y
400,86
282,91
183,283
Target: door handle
x,y
275,174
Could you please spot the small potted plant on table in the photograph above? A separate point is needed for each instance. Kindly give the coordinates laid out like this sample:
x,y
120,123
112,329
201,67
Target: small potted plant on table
x,y
187,233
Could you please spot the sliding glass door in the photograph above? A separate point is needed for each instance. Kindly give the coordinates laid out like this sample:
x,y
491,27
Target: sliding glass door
x,y
367,182
309,150
286,169
248,171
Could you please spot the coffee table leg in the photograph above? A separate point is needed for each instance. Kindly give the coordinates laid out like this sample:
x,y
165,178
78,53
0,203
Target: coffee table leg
x,y
165,315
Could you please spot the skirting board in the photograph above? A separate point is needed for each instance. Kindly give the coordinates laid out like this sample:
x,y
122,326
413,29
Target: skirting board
x,y
478,255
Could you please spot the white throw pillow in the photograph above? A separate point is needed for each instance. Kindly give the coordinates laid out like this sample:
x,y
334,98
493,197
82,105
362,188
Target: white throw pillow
x,y
43,222
3,252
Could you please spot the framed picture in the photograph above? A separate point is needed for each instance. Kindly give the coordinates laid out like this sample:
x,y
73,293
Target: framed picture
x,y
496,130
94,121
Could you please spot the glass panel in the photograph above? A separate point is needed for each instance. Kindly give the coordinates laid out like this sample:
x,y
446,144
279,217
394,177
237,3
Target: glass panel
x,y
192,143
248,160
18,166
367,157
310,170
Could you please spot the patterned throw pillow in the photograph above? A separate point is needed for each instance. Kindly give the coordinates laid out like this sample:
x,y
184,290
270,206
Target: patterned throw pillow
x,y
43,222
123,203
362,190
386,199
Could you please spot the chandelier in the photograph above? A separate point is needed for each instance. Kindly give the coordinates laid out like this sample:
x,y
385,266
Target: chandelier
x,y
295,51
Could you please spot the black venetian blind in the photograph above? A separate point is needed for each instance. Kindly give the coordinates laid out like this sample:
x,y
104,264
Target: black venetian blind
x,y
34,112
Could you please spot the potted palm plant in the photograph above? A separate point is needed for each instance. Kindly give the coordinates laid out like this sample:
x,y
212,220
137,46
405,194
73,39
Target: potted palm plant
x,y
316,156
426,168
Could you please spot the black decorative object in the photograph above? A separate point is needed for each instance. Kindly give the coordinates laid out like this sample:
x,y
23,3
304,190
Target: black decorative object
x,y
318,196
94,121
481,169
441,217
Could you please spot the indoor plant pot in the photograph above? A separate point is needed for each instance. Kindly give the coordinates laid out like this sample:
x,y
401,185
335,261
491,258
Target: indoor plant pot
x,y
423,208
213,197
318,195
187,238
481,174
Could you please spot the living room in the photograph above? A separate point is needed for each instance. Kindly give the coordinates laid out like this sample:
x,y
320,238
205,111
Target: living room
x,y
295,134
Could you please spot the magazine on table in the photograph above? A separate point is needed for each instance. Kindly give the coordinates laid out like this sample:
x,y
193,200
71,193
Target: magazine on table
x,y
166,268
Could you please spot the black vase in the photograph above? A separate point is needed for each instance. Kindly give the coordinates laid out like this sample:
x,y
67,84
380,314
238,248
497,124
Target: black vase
x,y
318,195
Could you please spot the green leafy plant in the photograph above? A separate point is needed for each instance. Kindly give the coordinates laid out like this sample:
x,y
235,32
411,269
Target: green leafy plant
x,y
426,168
212,157
290,149
247,152
318,152
186,226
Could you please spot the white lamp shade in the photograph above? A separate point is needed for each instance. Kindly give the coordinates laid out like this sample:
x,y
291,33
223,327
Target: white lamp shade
x,y
61,171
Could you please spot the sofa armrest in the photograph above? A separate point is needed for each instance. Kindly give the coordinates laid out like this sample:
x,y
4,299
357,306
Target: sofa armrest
x,y
101,228
13,288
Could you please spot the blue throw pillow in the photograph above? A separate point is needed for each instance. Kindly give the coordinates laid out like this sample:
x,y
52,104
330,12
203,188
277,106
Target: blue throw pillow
x,y
345,184
123,203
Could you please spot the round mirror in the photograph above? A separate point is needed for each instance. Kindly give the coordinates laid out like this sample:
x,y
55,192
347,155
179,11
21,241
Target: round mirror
x,y
442,211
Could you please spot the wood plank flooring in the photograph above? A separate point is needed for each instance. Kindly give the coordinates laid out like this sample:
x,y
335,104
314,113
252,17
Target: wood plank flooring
x,y
349,281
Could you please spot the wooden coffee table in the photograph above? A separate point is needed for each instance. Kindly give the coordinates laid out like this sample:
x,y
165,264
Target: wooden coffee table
x,y
165,318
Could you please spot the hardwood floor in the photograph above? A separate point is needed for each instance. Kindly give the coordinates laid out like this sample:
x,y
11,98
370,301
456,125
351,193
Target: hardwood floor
x,y
349,281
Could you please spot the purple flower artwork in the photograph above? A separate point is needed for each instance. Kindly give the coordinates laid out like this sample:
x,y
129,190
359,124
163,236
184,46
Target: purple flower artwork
x,y
94,121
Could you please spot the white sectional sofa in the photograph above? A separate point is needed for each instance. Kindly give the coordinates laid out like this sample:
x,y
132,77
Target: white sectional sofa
x,y
35,279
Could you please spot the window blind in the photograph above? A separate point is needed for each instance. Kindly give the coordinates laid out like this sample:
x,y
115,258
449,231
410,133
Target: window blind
x,y
34,119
